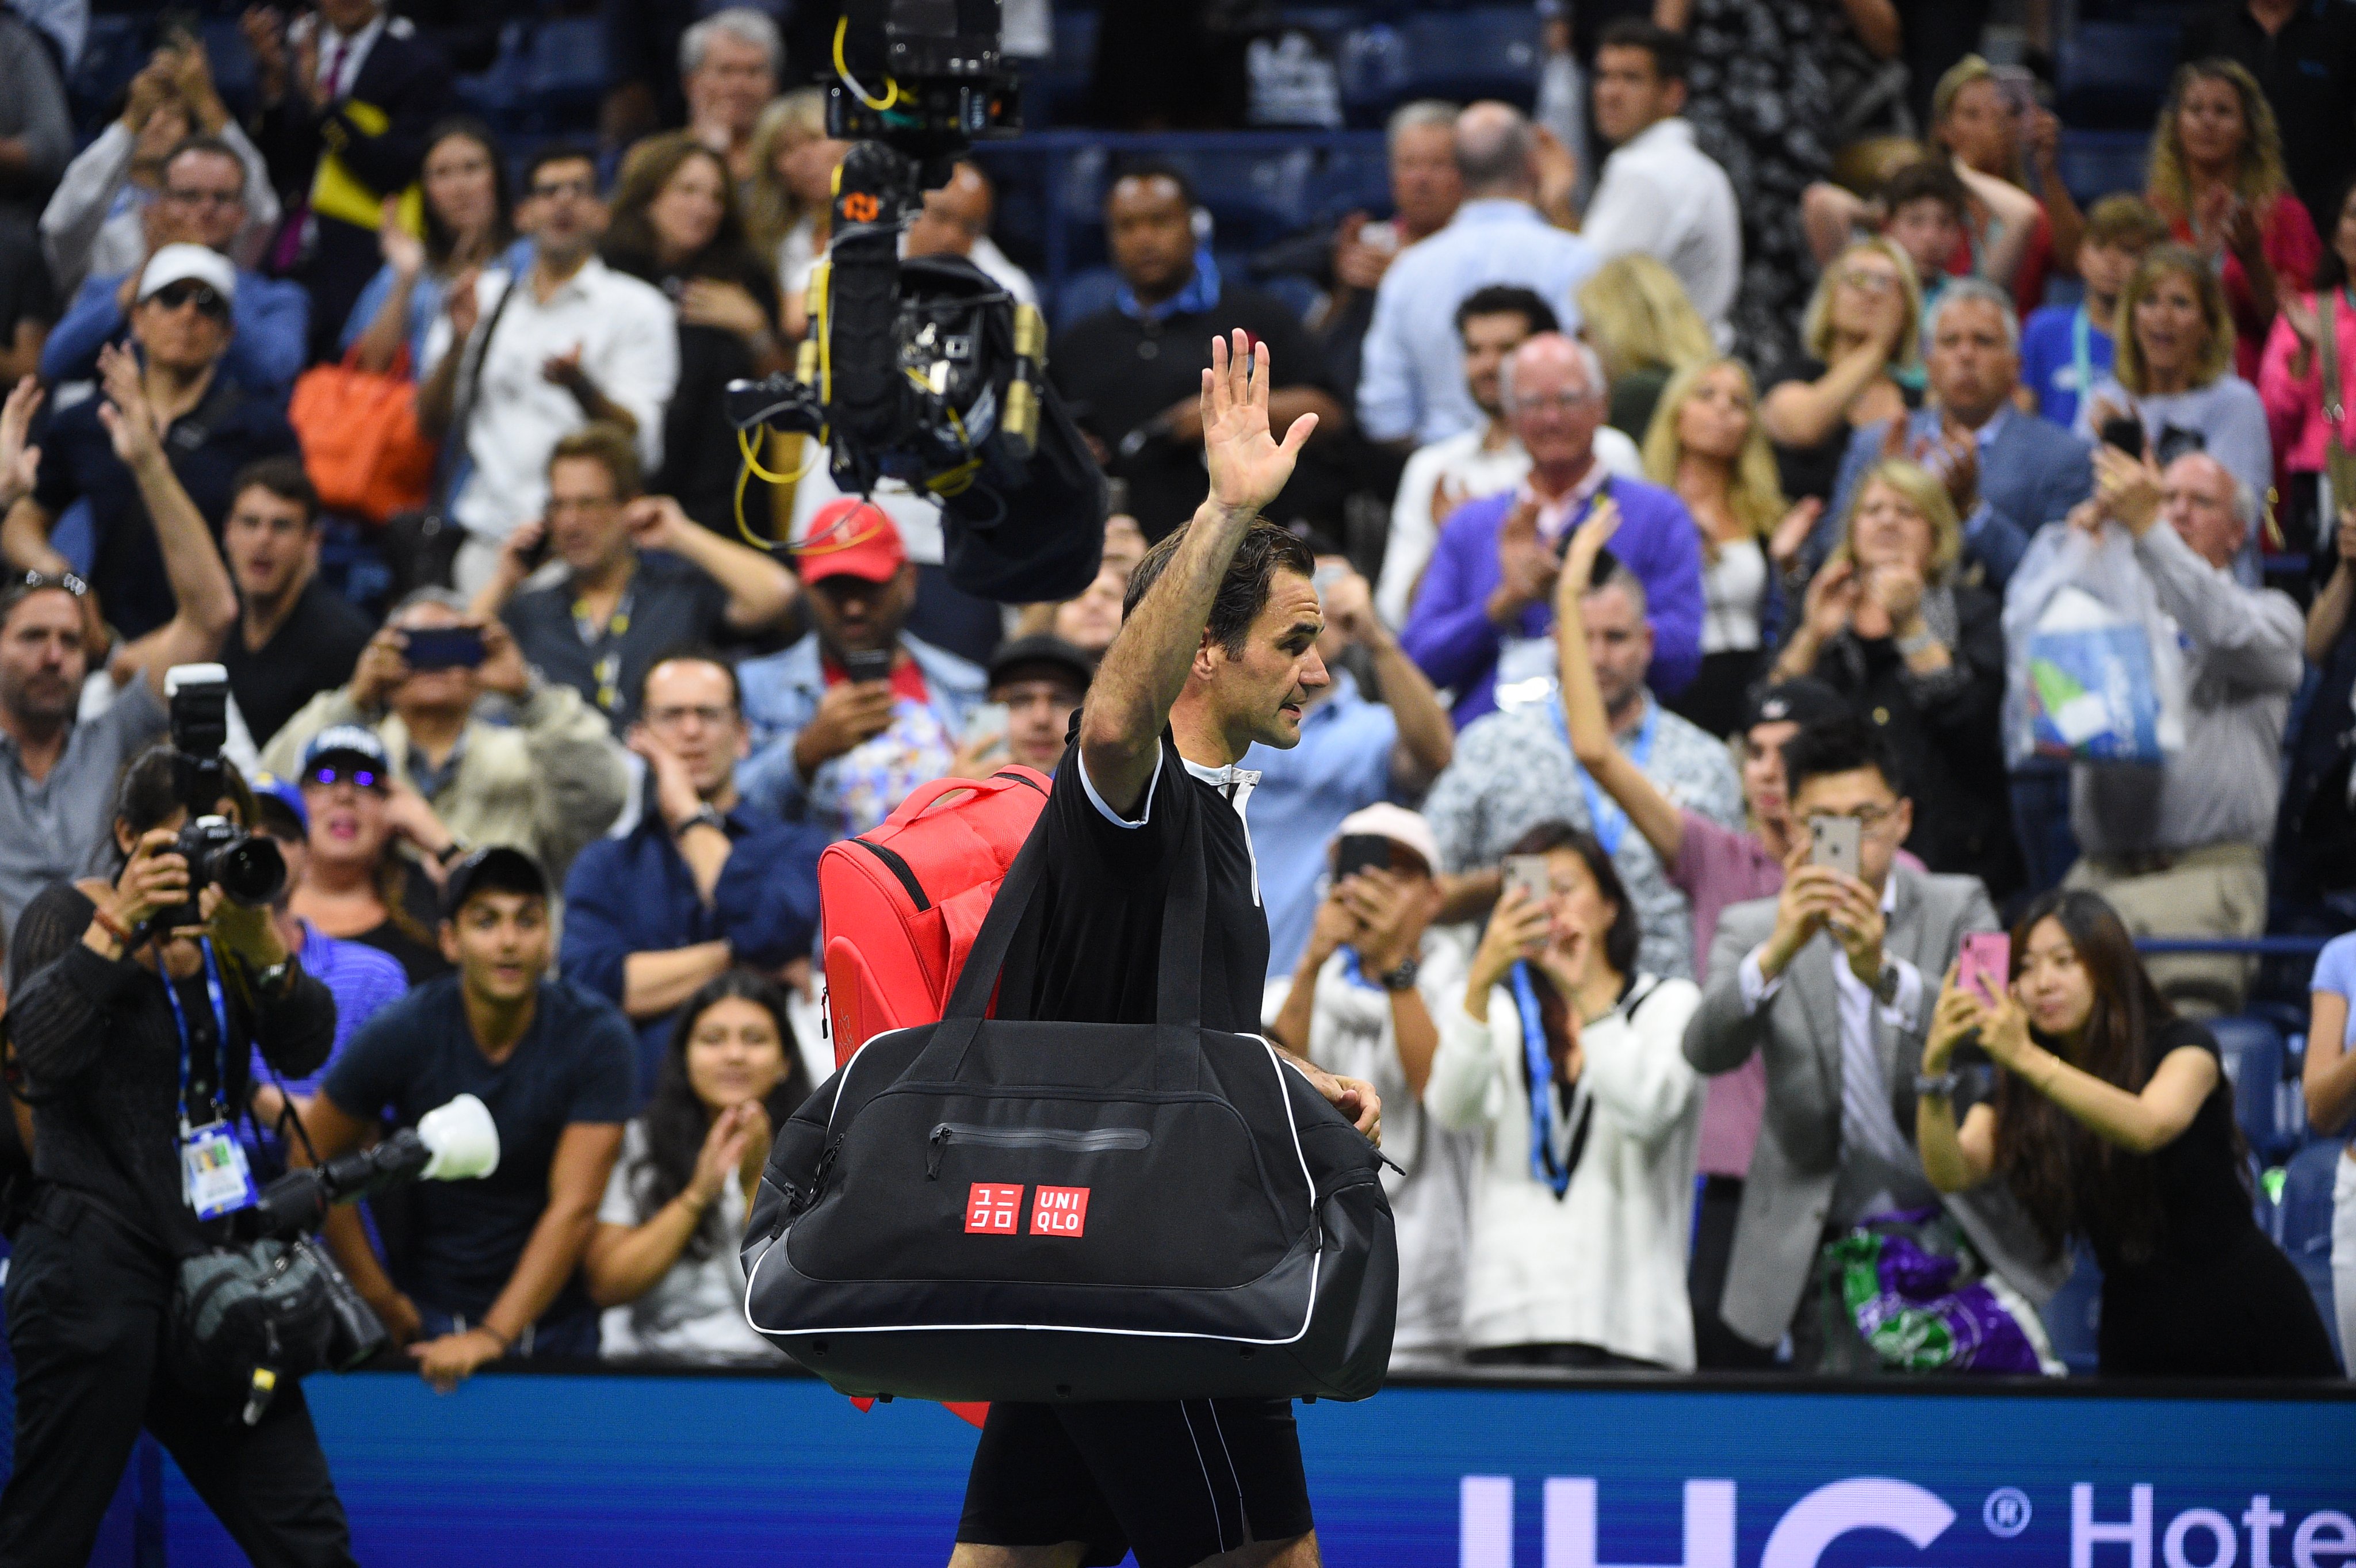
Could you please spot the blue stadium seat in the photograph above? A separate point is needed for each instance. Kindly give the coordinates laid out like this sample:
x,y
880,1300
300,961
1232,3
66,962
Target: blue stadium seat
x,y
2254,1058
2114,75
2304,1225
2073,1318
2095,164
231,60
564,66
1492,53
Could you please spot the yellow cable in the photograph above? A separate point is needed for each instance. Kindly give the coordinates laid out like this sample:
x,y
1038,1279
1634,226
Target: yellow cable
x,y
842,69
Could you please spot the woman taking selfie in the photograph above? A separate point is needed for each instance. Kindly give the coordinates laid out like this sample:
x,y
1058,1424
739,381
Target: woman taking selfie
x,y
663,1258
1571,1063
135,1025
2112,1121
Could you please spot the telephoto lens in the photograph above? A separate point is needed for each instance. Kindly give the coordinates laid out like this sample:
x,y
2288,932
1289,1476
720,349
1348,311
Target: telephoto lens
x,y
247,867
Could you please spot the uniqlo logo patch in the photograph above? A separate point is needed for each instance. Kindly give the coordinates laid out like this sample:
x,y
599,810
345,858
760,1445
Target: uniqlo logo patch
x,y
1059,1211
994,1208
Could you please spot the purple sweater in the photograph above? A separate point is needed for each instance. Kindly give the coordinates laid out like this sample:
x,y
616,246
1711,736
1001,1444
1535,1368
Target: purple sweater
x,y
1448,631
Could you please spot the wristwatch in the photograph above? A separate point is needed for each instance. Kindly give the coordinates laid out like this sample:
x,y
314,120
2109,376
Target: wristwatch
x,y
1908,647
1935,1085
1403,977
449,852
704,817
274,980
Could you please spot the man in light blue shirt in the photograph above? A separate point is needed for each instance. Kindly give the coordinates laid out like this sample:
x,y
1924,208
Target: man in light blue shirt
x,y
1354,750
1411,388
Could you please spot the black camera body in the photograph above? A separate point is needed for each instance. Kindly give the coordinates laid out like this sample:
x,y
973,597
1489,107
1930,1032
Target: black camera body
x,y
924,370
246,866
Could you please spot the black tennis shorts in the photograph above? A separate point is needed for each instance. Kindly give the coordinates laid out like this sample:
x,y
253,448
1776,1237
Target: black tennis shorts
x,y
1174,1482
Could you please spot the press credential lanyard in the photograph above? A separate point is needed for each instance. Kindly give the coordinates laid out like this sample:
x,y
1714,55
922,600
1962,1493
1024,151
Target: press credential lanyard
x,y
1605,817
214,1176
1553,1174
606,672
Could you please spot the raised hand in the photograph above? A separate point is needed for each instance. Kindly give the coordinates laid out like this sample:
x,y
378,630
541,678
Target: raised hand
x,y
129,419
1586,544
1526,567
403,251
20,462
2129,488
1248,466
1790,535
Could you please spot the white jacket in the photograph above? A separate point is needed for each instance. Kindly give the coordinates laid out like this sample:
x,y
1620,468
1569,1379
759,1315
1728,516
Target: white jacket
x,y
1350,1034
1605,1263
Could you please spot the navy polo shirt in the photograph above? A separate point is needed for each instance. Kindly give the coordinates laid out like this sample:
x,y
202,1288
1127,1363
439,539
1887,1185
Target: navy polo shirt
x,y
206,447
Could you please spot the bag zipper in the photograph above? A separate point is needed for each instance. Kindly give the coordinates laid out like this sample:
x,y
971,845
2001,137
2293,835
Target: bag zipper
x,y
1086,1140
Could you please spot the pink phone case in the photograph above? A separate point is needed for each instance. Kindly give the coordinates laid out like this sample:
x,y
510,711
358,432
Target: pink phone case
x,y
1987,963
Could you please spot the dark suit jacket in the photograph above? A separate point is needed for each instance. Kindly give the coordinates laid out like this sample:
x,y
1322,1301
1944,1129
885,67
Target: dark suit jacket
x,y
2032,474
404,76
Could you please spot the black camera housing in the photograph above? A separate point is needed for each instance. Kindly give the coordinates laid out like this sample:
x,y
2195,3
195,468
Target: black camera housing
x,y
246,866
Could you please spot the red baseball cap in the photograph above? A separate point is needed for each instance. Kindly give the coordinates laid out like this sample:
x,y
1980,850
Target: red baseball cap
x,y
850,538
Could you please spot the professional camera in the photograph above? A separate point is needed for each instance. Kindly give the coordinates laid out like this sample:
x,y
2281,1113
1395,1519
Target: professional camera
x,y
247,867
925,371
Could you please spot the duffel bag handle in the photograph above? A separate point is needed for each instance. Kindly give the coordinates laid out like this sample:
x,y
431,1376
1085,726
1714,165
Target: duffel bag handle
x,y
1178,993
926,795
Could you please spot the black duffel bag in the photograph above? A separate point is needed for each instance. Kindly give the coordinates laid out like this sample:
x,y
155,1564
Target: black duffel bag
x,y
1003,1209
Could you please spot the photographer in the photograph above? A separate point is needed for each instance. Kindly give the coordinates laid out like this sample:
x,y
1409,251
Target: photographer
x,y
132,1052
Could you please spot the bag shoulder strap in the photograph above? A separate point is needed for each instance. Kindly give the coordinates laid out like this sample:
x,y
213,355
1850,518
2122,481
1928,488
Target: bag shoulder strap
x,y
2335,406
470,382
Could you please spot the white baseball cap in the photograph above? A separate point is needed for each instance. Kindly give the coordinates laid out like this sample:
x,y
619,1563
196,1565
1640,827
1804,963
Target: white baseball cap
x,y
180,263
1400,826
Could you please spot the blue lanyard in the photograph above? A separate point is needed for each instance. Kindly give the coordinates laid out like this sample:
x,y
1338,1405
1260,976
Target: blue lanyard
x,y
1605,817
221,1040
2081,352
1543,1165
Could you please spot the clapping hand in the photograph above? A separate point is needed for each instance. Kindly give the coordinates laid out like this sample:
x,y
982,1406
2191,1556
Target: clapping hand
x,y
129,419
1249,467
2129,488
20,462
1526,565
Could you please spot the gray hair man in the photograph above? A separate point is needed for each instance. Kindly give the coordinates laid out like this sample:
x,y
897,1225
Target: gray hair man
x,y
728,66
2184,855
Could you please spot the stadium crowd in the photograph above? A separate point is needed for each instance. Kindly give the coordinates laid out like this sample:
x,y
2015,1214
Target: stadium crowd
x,y
1713,500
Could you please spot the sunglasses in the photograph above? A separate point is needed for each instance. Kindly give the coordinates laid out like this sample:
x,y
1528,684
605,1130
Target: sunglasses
x,y
367,778
204,297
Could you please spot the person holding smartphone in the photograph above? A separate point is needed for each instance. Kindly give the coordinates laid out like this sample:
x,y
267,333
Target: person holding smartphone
x,y
1362,1003
548,782
2112,1120
1825,983
853,717
1562,1056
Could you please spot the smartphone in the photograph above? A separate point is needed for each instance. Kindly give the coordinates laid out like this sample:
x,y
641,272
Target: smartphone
x,y
868,663
1832,841
1528,872
2124,433
986,722
1360,852
1987,963
443,648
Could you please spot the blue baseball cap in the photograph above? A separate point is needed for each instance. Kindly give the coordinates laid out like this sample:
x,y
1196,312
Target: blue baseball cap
x,y
287,792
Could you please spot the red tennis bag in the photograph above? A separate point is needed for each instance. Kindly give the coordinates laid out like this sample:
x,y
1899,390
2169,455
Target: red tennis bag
x,y
901,905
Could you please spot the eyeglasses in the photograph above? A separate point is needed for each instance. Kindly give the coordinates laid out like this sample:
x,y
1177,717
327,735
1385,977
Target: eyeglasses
x,y
203,295
203,199
1868,818
557,188
671,718
1559,403
366,779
